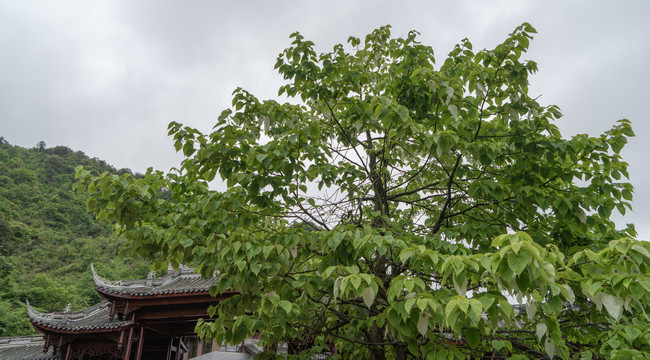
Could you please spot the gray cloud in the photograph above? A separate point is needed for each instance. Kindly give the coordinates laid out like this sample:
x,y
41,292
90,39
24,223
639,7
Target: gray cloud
x,y
107,77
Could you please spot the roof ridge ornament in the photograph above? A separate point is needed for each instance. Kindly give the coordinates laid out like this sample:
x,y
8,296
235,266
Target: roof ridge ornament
x,y
151,276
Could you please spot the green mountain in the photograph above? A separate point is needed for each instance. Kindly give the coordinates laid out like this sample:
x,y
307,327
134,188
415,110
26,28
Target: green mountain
x,y
47,239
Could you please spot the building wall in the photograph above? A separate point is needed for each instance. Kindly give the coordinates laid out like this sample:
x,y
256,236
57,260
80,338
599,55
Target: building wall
x,y
222,355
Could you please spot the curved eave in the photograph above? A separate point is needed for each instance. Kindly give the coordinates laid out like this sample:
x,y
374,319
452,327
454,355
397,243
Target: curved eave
x,y
44,322
108,294
100,281
35,315
43,328
113,290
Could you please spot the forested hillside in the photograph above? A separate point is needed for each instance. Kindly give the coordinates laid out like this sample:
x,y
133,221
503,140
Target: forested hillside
x,y
47,239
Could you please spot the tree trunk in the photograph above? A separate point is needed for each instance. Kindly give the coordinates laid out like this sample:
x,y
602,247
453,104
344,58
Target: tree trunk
x,y
376,337
400,354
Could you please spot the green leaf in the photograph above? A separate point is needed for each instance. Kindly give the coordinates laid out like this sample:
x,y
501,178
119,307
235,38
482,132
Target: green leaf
x,y
337,286
554,305
356,281
266,250
442,354
463,303
369,296
519,262
406,254
423,323
255,268
568,294
450,94
408,304
403,113
241,265
641,250
549,347
540,330
475,310
632,332
614,305
422,304
529,28
531,310
581,216
498,344
473,337
453,110
285,305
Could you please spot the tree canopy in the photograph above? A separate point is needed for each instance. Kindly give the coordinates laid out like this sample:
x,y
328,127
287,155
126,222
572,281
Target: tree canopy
x,y
398,208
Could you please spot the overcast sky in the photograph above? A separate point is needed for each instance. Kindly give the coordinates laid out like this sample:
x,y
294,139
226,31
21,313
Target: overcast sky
x,y
106,77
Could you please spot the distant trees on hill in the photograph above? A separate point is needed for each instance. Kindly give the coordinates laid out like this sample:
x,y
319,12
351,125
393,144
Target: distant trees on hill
x,y
47,239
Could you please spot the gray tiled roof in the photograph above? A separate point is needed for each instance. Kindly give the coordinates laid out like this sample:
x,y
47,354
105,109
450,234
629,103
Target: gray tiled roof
x,y
25,348
95,317
181,281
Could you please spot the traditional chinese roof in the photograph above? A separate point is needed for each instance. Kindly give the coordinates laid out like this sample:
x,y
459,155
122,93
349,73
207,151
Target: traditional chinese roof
x,y
182,281
25,348
95,318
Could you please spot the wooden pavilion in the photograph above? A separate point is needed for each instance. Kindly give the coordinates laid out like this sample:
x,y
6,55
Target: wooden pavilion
x,y
137,319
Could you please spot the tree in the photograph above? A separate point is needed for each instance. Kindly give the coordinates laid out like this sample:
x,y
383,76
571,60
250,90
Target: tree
x,y
5,237
397,209
41,145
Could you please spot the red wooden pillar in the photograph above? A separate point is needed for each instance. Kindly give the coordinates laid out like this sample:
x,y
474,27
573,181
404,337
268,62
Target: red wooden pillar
x,y
127,351
68,352
138,353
